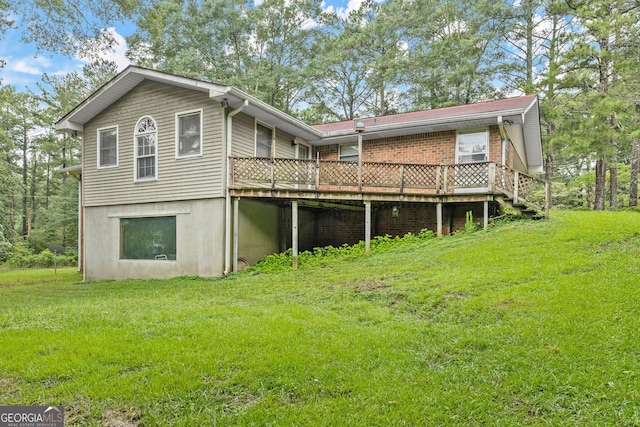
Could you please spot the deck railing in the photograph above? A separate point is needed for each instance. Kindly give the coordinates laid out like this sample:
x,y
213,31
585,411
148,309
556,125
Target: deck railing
x,y
331,175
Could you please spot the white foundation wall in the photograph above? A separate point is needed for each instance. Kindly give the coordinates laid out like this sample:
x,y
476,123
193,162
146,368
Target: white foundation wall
x,y
199,240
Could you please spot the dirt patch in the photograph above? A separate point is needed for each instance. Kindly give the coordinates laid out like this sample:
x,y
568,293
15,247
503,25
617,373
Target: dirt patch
x,y
369,286
113,418
455,295
506,303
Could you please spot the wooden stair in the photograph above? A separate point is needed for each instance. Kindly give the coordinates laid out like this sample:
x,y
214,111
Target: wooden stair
x,y
522,208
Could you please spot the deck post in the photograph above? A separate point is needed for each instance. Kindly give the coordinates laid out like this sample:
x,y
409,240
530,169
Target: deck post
x,y
359,161
236,221
491,178
439,219
318,171
294,232
273,173
516,186
445,184
367,225
486,215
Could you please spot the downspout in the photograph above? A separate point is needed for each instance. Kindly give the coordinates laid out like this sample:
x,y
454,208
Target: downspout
x,y
504,136
227,215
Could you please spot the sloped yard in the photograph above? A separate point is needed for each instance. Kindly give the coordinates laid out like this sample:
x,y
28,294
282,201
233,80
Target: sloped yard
x,y
532,323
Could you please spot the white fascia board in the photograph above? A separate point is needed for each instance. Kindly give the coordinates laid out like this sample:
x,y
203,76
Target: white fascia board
x,y
68,126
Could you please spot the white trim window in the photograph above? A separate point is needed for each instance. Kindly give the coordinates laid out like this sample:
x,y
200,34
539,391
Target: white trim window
x,y
264,140
189,133
303,151
146,141
472,146
348,152
107,147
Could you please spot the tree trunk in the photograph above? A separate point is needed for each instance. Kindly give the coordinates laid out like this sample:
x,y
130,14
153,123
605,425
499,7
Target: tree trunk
x,y
613,168
601,178
633,185
24,185
548,175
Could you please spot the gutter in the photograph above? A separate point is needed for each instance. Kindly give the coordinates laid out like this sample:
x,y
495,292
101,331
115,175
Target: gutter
x,y
328,137
227,215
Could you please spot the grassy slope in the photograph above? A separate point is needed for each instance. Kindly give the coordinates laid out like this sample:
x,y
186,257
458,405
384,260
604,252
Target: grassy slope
x,y
534,323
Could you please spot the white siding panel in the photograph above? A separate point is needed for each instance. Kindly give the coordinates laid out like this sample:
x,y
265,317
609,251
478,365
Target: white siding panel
x,y
178,179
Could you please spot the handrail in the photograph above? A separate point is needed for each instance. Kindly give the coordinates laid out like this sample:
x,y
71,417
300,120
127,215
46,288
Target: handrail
x,y
404,178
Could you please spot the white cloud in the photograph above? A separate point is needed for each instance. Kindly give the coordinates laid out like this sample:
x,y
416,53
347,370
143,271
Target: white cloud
x,y
22,66
97,47
343,12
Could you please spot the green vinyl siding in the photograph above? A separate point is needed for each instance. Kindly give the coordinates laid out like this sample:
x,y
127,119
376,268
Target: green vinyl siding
x,y
177,178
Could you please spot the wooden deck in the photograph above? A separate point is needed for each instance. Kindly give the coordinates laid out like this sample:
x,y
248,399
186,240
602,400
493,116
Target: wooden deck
x,y
371,181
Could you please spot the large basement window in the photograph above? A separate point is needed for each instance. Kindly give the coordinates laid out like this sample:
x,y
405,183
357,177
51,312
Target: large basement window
x,y
148,238
146,138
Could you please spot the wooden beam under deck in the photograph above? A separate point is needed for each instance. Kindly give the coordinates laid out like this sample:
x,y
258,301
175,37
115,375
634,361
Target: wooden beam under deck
x,y
292,194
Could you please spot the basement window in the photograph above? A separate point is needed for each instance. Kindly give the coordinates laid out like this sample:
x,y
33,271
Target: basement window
x,y
148,238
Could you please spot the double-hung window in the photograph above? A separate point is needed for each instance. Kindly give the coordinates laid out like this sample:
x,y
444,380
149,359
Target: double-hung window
x,y
472,146
264,140
348,152
189,133
108,147
146,157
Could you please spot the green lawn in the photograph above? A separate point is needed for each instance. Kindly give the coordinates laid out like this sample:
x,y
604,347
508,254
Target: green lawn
x,y
532,323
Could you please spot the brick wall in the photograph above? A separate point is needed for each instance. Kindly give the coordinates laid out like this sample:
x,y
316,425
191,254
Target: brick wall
x,y
337,227
427,148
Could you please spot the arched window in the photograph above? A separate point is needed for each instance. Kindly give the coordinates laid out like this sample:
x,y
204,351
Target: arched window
x,y
146,137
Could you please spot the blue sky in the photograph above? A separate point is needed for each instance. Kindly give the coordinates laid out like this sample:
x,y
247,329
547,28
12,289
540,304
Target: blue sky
x,y
24,66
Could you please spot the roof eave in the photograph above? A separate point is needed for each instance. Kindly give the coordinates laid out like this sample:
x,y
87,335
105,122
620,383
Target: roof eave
x,y
430,125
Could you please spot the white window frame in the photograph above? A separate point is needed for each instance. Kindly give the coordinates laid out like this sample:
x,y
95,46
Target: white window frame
x,y
99,157
340,155
136,134
184,114
255,136
305,145
484,131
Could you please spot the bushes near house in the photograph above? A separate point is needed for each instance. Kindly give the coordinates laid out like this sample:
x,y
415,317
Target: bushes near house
x,y
22,257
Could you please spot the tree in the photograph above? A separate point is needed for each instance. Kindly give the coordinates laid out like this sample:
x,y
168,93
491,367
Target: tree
x,y
592,62
338,70
261,49
63,26
451,51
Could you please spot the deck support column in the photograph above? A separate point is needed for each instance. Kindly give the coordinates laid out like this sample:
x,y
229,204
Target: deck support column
x,y
486,215
294,232
367,225
439,219
236,222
